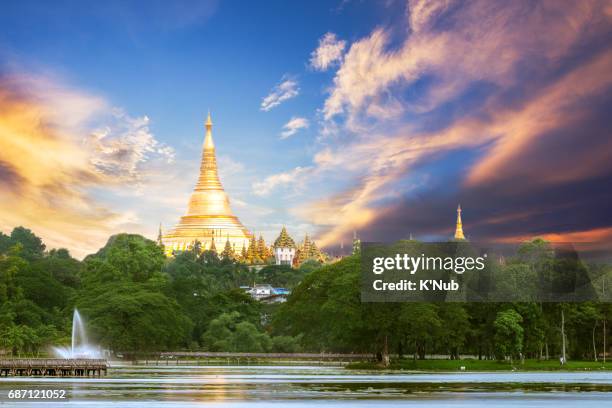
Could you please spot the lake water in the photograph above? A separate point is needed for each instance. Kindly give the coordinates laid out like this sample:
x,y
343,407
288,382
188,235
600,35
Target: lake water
x,y
300,386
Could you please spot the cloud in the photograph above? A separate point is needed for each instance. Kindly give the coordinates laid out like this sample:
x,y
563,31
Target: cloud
x,y
558,106
505,35
122,145
514,88
328,53
291,178
294,124
286,89
59,148
423,12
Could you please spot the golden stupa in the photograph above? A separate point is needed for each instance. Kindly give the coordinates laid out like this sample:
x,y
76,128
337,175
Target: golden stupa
x,y
209,218
459,226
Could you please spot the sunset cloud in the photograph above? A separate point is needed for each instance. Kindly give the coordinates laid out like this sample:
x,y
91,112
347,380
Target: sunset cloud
x,y
50,166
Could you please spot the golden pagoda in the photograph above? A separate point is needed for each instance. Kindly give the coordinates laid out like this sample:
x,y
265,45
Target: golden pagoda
x,y
459,227
209,214
308,251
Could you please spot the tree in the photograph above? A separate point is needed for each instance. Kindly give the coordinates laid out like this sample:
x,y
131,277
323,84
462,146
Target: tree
x,y
325,308
590,317
230,332
309,266
128,317
5,243
454,327
11,266
508,333
134,257
14,338
247,338
281,275
286,344
32,246
419,324
63,267
40,286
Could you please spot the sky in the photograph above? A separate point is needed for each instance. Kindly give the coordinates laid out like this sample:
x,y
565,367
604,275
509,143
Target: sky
x,y
329,117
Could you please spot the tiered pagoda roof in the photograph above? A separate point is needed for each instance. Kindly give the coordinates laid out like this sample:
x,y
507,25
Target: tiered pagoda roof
x,y
284,240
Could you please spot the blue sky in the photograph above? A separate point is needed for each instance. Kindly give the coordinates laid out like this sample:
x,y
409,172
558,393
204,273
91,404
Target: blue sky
x,y
417,110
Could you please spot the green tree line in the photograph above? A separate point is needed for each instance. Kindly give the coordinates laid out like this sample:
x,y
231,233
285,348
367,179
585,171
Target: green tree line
x,y
325,309
134,299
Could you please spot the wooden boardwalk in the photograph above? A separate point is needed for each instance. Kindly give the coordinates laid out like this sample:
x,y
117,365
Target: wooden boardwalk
x,y
52,367
264,356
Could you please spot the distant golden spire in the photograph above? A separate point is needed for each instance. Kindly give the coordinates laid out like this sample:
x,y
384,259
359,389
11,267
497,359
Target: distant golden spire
x,y
459,228
160,241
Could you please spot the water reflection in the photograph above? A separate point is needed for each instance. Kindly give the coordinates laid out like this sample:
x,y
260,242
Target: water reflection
x,y
252,385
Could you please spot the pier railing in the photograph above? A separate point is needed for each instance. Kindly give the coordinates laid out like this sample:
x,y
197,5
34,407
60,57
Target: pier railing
x,y
52,367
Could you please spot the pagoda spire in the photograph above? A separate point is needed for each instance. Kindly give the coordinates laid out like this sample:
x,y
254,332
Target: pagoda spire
x,y
209,176
208,140
160,241
208,215
213,247
459,228
208,181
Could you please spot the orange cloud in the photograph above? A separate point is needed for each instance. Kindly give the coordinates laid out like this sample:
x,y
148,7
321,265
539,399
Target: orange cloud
x,y
51,158
596,239
592,235
554,108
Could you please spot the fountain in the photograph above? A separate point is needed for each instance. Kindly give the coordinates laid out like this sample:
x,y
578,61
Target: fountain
x,y
79,347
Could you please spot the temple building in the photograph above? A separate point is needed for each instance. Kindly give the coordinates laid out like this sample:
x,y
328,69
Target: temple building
x,y
284,249
209,217
459,226
308,251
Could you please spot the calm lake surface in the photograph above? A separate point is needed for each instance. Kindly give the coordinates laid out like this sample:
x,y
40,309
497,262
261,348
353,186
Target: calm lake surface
x,y
299,386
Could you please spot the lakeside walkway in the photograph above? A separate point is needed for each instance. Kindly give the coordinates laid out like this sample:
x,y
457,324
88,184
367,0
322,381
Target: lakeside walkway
x,y
178,357
56,367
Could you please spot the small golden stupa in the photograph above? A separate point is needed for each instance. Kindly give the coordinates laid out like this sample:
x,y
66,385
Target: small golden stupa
x,y
209,216
459,226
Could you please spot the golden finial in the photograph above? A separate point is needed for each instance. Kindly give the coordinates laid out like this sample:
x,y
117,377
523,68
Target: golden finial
x,y
459,228
208,141
208,121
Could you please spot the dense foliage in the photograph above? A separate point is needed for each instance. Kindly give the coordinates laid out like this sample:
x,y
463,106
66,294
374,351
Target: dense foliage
x,y
325,309
134,299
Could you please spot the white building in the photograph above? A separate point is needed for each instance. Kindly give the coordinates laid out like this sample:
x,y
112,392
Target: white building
x,y
284,249
266,293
